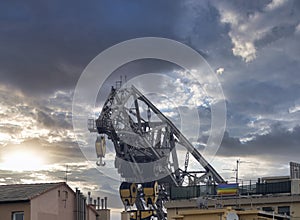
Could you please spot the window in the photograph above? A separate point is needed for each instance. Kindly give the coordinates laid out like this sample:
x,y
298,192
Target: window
x,y
18,216
284,210
66,194
268,209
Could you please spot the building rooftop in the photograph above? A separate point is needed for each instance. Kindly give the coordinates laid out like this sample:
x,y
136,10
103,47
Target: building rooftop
x,y
233,201
24,192
275,178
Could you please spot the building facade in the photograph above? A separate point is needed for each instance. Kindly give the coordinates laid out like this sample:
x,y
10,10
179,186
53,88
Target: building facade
x,y
286,205
227,213
275,195
46,201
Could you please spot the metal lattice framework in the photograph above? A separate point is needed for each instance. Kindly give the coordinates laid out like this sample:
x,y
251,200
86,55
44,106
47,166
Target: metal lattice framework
x,y
145,142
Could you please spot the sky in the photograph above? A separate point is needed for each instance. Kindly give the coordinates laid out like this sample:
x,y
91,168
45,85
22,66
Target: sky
x,y
252,47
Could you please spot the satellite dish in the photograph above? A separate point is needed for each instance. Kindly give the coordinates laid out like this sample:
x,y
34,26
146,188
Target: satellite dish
x,y
232,216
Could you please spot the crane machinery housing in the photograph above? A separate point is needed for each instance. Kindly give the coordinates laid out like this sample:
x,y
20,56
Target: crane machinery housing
x,y
145,143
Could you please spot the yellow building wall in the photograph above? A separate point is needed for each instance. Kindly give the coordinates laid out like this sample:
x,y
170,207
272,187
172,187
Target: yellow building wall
x,y
254,203
205,217
216,214
295,210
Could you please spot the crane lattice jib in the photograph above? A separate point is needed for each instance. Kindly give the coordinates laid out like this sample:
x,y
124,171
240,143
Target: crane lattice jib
x,y
141,133
144,140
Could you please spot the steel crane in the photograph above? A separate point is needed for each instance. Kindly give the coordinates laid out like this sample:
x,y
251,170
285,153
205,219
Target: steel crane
x,y
145,143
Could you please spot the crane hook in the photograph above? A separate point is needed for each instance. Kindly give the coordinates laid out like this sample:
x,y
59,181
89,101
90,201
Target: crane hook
x,y
100,146
100,162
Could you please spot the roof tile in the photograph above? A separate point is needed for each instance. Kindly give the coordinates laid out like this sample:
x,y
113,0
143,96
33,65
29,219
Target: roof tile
x,y
24,192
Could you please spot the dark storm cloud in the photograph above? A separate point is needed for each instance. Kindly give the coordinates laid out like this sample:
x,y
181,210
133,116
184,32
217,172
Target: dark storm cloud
x,y
200,27
279,142
253,97
20,113
46,45
261,92
276,33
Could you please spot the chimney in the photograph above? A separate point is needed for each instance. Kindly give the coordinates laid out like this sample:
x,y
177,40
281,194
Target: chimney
x,y
98,206
89,198
77,204
105,202
102,203
104,212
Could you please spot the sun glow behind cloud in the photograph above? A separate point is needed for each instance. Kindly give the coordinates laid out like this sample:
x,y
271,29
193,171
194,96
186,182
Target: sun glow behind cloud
x,y
22,161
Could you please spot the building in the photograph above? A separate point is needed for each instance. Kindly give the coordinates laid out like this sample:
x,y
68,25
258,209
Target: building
x,y
279,196
47,201
284,204
227,213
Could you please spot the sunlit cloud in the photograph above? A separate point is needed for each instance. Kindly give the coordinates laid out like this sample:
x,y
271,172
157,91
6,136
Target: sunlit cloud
x,y
22,161
220,70
294,109
274,4
249,28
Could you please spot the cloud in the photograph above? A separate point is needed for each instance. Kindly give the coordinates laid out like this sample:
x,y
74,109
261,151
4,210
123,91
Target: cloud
x,y
249,28
279,142
240,37
274,4
28,122
294,109
274,34
220,70
297,29
45,48
199,27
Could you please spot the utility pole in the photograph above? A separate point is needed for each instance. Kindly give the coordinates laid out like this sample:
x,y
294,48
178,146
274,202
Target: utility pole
x,y
238,162
237,171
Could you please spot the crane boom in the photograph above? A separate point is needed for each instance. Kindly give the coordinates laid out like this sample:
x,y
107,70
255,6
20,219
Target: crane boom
x,y
183,139
146,149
